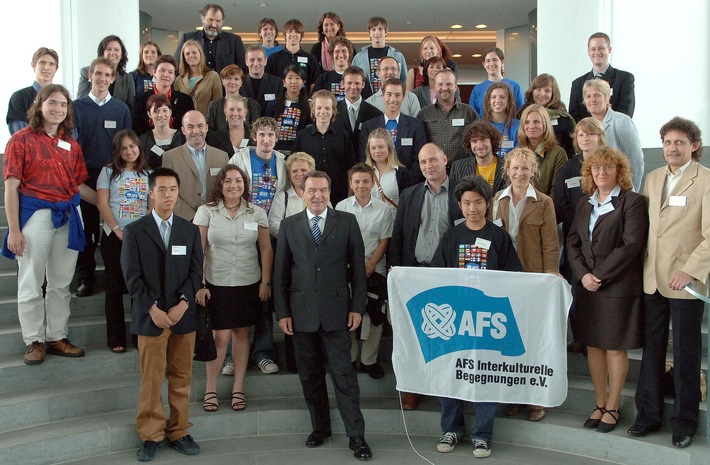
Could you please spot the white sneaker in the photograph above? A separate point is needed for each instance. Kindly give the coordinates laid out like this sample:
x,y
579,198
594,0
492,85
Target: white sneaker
x,y
481,448
447,442
268,366
228,369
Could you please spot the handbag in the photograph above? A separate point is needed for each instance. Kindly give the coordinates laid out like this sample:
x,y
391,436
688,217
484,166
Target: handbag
x,y
205,349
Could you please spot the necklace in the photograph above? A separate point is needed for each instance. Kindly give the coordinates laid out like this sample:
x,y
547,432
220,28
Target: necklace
x,y
232,209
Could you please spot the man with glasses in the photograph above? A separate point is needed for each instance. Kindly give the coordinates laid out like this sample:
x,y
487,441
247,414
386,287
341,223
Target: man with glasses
x,y
389,69
196,163
621,82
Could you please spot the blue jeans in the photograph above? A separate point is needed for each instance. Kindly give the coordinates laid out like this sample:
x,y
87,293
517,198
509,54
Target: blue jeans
x,y
452,418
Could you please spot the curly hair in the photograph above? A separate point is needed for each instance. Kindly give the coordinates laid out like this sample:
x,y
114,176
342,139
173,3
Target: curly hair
x,y
481,130
687,127
526,154
217,196
604,156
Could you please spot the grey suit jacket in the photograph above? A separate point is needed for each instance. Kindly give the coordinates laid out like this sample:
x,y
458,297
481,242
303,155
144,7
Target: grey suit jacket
x,y
180,160
154,274
317,286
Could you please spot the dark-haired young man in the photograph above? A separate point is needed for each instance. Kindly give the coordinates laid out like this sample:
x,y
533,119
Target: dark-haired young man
x,y
45,63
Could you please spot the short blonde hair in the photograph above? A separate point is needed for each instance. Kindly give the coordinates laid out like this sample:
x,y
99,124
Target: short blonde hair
x,y
600,85
296,157
324,94
604,156
526,154
589,125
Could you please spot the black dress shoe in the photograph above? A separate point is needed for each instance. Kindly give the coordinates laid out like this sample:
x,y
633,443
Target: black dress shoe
x,y
375,370
84,290
316,438
360,448
681,442
641,431
147,451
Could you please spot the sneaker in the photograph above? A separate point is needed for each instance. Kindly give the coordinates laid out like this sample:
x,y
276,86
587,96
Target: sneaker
x,y
481,448
147,451
268,366
35,353
64,348
447,442
186,445
228,369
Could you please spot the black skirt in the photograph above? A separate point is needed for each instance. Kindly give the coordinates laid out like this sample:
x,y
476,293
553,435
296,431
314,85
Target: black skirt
x,y
233,306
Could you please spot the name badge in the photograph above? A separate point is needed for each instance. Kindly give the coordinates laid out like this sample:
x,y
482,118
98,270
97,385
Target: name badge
x,y
269,97
157,150
459,221
179,250
456,122
214,171
482,243
359,128
498,222
604,209
507,144
243,143
251,226
109,124
407,142
611,92
64,144
302,59
677,201
573,182
553,122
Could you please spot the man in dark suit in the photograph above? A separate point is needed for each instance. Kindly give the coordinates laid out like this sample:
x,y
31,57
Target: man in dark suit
x,y
353,111
162,264
621,82
408,133
320,292
258,85
221,48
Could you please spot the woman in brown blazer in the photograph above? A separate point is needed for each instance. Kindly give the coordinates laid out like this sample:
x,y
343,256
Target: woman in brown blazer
x,y
528,216
605,248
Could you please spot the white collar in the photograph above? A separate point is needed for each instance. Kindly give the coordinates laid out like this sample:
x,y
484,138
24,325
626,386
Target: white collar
x,y
508,192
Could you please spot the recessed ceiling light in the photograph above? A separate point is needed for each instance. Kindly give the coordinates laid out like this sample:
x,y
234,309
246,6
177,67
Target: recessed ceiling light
x,y
456,26
172,36
456,55
514,33
481,26
476,55
226,28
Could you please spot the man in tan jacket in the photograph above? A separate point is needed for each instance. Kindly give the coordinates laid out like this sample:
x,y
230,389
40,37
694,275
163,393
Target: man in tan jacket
x,y
678,254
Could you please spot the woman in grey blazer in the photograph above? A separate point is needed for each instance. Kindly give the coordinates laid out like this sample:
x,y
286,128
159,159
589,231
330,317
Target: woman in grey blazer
x,y
124,87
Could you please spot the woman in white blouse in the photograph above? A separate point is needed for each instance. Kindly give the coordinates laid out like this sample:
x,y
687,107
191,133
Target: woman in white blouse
x,y
233,283
289,201
391,177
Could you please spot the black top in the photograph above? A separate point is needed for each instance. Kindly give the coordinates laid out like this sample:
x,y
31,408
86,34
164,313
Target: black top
x,y
20,102
153,154
622,99
279,61
566,197
458,249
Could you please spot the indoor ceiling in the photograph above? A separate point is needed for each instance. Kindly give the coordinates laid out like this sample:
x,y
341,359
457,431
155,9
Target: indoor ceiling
x,y
408,20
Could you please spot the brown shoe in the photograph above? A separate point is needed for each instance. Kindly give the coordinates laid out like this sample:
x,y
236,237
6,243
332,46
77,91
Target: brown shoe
x,y
64,348
410,401
35,353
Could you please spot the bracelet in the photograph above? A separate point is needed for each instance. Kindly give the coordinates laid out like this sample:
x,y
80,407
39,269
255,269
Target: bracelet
x,y
115,228
267,283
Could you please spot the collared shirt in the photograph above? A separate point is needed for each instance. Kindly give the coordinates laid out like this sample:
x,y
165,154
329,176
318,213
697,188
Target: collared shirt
x,y
515,211
602,72
376,223
599,209
159,222
434,221
210,49
101,102
198,156
672,180
356,104
445,129
321,223
410,104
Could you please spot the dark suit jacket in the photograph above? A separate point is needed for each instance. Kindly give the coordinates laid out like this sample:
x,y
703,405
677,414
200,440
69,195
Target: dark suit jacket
x,y
181,104
615,253
622,93
154,274
230,49
365,113
318,286
407,222
407,128
467,167
269,85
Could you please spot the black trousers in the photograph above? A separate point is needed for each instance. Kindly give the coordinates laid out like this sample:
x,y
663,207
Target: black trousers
x,y
310,360
86,262
115,288
686,316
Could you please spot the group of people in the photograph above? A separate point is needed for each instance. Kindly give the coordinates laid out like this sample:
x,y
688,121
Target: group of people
x,y
248,182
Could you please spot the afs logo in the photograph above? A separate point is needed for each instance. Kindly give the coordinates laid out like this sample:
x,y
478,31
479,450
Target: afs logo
x,y
455,318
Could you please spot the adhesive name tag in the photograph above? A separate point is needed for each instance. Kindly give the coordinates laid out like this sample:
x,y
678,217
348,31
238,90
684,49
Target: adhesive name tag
x,y
214,171
677,201
64,144
498,222
507,144
483,243
407,142
179,250
243,143
302,59
251,226
109,124
269,97
604,209
457,122
573,182
554,122
157,150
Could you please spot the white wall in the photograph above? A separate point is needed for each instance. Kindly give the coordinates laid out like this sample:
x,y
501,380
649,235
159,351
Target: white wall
x,y
666,46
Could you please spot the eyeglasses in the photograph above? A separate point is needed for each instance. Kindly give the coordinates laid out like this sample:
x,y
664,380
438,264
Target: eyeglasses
x,y
606,168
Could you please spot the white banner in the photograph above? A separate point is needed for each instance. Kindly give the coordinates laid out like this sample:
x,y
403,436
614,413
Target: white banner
x,y
480,335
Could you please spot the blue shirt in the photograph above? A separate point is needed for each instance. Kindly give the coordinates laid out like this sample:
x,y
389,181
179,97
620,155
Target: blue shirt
x,y
601,209
198,156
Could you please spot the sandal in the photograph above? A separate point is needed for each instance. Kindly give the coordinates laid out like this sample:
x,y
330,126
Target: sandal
x,y
537,414
208,405
238,401
592,423
605,427
118,350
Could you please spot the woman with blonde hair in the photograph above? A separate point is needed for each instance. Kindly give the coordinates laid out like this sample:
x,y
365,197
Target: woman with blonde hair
x,y
196,79
605,249
391,177
430,47
536,134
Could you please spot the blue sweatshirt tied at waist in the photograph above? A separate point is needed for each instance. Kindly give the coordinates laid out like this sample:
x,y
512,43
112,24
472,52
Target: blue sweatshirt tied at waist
x,y
29,205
